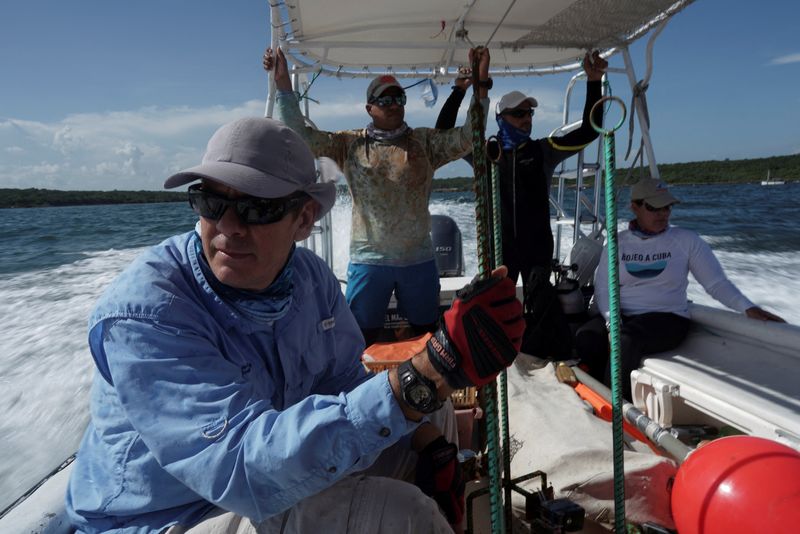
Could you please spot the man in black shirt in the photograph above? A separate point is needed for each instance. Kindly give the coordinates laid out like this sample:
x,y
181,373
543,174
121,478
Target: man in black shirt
x,y
526,169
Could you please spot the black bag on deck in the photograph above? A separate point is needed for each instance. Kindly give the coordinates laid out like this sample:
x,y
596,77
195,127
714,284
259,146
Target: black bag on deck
x,y
547,332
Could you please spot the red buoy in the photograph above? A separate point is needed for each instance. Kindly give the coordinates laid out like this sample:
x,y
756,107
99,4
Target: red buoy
x,y
738,485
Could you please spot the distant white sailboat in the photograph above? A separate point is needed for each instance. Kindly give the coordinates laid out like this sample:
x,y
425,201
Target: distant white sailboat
x,y
771,181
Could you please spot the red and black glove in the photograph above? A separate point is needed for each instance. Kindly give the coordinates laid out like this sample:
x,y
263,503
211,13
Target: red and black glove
x,y
439,476
481,334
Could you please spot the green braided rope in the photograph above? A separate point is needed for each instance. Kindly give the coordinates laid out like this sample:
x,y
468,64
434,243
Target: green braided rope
x,y
492,448
505,427
506,448
496,221
613,298
483,229
614,316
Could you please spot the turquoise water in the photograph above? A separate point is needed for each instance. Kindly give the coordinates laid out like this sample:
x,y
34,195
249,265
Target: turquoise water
x,y
55,262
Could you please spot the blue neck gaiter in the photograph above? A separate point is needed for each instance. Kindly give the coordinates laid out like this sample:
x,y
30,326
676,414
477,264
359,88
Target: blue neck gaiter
x,y
267,305
510,136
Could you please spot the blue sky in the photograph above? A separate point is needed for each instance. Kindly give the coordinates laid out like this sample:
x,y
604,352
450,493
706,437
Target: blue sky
x,y
104,94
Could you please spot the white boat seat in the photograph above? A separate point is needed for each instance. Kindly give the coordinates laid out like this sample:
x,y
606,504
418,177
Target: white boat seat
x,y
731,369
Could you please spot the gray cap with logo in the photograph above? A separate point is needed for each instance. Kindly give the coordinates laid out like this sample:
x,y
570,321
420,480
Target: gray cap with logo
x,y
263,158
381,83
654,192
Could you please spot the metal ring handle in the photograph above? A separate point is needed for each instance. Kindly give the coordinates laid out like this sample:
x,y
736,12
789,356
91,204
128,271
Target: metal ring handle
x,y
616,127
493,150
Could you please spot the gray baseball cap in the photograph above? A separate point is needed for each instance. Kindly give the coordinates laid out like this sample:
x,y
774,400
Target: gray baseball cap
x,y
380,84
263,158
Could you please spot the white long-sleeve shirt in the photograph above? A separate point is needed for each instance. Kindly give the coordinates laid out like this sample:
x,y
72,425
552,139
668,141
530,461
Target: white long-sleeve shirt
x,y
653,274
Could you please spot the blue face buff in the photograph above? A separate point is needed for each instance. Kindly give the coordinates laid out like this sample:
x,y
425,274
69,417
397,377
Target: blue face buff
x,y
262,306
510,136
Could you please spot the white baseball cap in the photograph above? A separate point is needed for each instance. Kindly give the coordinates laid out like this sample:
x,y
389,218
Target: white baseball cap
x,y
514,99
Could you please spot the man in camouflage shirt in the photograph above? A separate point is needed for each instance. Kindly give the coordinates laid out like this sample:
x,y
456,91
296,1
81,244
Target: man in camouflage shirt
x,y
389,168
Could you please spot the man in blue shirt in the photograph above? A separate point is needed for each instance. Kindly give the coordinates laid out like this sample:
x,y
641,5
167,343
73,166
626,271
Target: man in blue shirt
x,y
229,389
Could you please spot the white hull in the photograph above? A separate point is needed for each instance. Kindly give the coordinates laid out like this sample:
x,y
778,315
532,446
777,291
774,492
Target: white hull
x,y
43,511
771,181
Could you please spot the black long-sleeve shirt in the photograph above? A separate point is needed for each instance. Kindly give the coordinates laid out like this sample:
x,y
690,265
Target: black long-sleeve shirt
x,y
525,173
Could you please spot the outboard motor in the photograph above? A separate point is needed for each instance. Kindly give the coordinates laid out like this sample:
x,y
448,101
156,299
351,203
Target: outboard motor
x,y
446,238
585,256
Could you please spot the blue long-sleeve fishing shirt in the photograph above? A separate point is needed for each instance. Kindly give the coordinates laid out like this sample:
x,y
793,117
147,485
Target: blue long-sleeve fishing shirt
x,y
194,405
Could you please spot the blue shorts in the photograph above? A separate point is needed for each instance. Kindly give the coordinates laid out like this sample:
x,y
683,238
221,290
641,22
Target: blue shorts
x,y
416,288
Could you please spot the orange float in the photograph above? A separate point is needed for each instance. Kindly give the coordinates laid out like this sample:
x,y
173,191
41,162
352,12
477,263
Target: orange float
x,y
738,485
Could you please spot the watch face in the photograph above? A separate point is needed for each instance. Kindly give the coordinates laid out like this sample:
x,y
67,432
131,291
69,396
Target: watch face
x,y
419,394
418,391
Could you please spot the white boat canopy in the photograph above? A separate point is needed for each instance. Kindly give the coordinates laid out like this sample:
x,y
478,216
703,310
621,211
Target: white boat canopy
x,y
431,38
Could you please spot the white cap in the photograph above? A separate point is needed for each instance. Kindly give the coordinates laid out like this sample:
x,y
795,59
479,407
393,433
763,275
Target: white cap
x,y
514,99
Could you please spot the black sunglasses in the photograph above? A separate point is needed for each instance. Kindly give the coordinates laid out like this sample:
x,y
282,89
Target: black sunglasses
x,y
251,210
519,113
652,208
386,100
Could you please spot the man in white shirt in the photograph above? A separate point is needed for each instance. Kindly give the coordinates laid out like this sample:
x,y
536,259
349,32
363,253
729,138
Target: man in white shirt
x,y
654,262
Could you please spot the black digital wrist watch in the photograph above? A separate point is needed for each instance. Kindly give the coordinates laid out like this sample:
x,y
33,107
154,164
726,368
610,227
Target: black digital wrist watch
x,y
418,391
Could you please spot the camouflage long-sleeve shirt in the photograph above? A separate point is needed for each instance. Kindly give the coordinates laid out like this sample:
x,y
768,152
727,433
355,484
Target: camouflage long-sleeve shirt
x,y
390,183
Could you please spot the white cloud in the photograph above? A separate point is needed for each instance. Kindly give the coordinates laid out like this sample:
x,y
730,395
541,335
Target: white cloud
x,y
138,149
783,60
133,155
45,168
116,150
66,141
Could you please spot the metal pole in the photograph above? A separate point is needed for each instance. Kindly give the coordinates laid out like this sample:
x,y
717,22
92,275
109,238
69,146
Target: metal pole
x,y
271,89
649,428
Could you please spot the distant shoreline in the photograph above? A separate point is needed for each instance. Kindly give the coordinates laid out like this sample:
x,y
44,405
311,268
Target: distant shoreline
x,y
53,198
786,168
